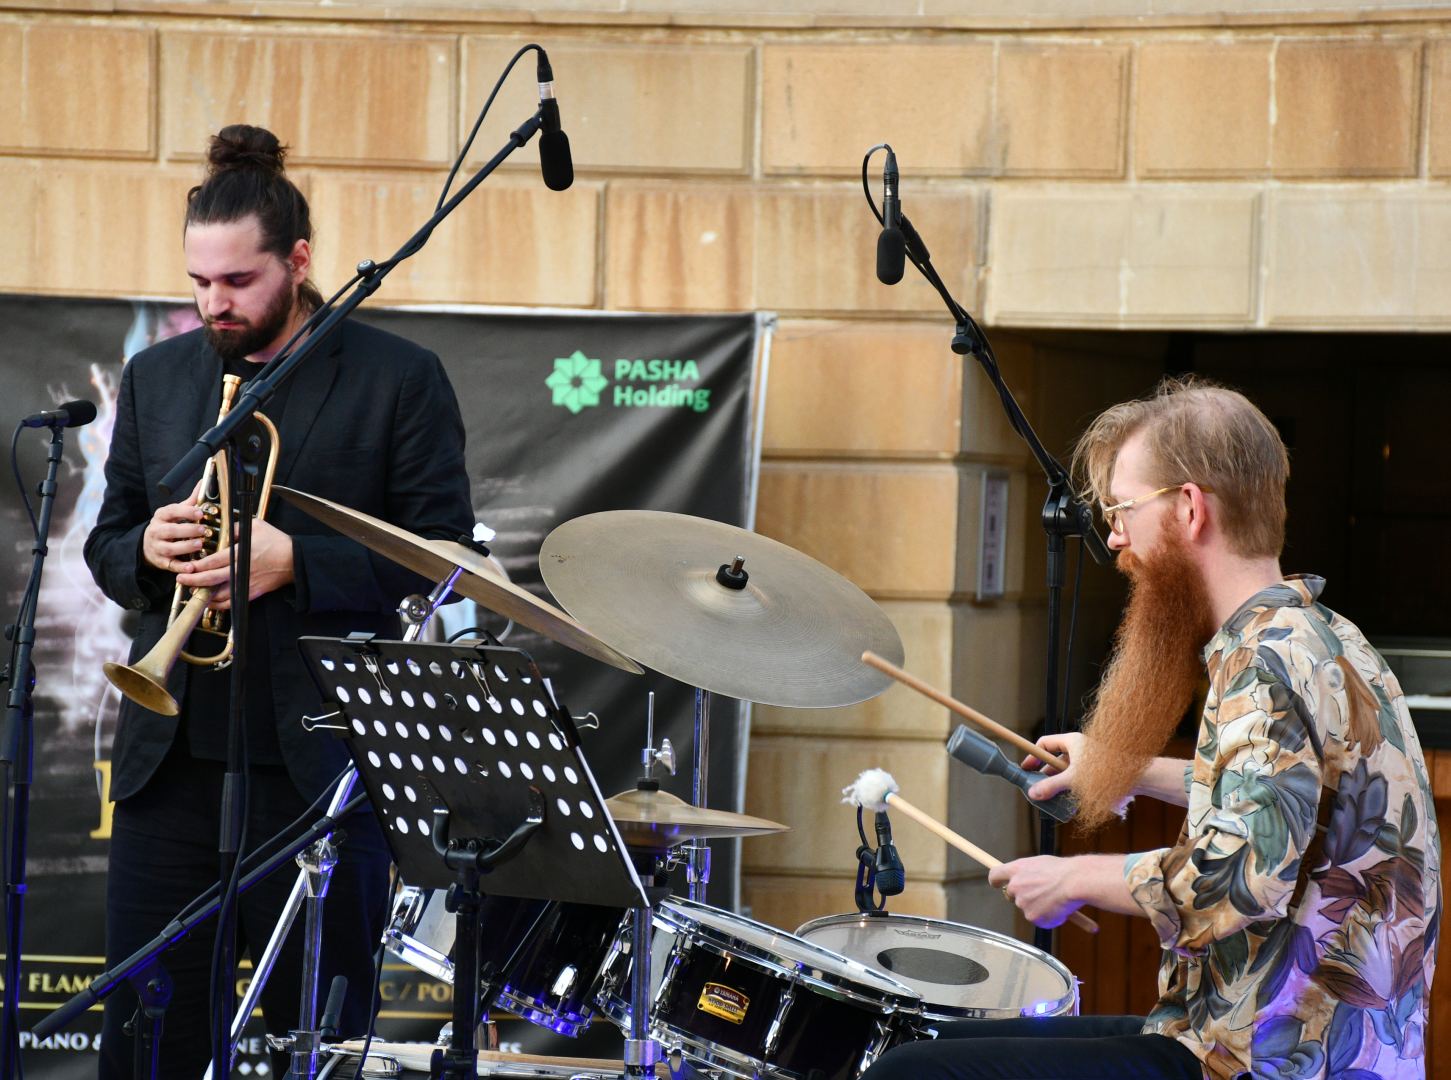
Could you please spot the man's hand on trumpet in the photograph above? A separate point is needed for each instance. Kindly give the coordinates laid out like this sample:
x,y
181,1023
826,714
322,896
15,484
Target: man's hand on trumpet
x,y
271,567
174,535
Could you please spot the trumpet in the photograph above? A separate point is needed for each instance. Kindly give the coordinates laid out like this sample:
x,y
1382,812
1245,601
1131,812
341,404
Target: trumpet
x,y
144,682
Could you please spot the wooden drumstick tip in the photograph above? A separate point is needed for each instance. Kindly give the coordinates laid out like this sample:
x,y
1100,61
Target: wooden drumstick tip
x,y
987,724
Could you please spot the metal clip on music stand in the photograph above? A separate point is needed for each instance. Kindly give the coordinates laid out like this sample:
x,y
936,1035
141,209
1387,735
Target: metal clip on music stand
x,y
475,770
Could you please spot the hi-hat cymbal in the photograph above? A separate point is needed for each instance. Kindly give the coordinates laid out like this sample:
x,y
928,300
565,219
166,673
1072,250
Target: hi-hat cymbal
x,y
657,819
480,582
647,583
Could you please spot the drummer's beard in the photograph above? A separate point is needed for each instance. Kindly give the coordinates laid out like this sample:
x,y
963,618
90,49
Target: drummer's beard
x,y
1151,679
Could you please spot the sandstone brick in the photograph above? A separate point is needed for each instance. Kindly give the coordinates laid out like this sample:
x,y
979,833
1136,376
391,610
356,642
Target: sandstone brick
x,y
891,529
636,107
1144,257
727,247
512,242
1061,109
377,100
1359,258
1346,109
62,217
823,830
1202,109
1438,90
824,105
77,89
815,250
926,628
852,389
679,248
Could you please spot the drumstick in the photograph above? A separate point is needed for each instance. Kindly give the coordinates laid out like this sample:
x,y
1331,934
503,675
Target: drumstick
x,y
967,712
875,789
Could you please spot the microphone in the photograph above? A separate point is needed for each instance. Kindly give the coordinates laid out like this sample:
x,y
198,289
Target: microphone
x,y
891,875
71,414
332,1012
977,752
892,244
554,160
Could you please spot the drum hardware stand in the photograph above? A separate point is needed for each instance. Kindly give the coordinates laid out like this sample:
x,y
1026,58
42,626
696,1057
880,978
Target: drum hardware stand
x,y
1063,514
697,870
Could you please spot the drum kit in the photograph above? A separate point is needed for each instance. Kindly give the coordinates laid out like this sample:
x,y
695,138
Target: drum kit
x,y
710,993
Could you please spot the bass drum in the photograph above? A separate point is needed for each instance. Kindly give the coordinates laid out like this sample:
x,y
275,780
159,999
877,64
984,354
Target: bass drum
x,y
549,954
962,973
738,997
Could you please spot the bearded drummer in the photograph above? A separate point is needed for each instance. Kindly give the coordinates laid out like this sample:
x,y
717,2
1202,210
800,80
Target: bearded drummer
x,y
1299,907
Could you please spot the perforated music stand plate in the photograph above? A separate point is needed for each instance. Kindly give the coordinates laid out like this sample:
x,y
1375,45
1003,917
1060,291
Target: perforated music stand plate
x,y
471,729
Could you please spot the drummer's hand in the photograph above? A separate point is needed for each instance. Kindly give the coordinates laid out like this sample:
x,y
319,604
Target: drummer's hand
x,y
271,567
173,535
1065,745
1039,886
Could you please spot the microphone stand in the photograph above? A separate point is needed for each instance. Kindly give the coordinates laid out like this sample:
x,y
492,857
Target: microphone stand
x,y
1063,514
258,392
17,761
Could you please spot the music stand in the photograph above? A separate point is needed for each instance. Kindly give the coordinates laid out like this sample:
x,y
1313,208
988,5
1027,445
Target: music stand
x,y
475,770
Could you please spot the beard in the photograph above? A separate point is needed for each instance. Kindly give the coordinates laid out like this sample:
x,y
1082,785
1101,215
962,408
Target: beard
x,y
1151,679
252,337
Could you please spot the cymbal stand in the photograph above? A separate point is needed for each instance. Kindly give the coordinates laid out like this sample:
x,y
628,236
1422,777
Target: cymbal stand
x,y
698,869
309,890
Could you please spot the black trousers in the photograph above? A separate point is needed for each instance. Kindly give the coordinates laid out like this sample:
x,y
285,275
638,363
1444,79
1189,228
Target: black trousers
x,y
164,852
1041,1048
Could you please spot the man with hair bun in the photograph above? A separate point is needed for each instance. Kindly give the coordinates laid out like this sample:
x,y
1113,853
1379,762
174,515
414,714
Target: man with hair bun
x,y
369,420
1299,908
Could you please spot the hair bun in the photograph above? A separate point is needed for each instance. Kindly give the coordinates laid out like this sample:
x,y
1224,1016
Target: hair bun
x,y
241,146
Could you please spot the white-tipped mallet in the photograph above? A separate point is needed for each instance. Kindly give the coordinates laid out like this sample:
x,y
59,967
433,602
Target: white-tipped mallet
x,y
875,789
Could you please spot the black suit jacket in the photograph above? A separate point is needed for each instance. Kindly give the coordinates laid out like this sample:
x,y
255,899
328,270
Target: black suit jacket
x,y
370,421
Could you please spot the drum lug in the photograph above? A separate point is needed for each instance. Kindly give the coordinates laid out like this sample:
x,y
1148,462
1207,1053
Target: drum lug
x,y
564,981
773,1033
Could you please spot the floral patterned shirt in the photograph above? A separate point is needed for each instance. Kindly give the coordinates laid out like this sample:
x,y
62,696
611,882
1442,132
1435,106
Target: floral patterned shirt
x,y
1300,906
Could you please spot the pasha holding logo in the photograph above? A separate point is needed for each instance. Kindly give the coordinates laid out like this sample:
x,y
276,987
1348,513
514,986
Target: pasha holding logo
x,y
578,381
659,384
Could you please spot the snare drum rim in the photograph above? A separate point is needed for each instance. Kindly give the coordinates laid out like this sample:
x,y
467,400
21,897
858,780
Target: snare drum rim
x,y
897,997
932,1010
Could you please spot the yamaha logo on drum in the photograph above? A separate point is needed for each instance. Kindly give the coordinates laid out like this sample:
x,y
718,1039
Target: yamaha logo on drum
x,y
722,1001
924,935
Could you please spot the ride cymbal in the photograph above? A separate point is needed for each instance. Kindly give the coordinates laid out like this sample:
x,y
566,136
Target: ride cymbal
x,y
480,582
657,819
659,587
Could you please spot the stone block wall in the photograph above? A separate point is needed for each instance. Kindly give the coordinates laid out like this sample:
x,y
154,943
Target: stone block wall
x,y
1122,164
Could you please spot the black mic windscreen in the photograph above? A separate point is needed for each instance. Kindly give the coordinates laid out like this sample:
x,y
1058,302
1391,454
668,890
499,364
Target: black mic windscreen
x,y
80,412
891,256
554,160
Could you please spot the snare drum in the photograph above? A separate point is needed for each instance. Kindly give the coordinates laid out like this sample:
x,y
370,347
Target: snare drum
x,y
548,954
961,972
749,1000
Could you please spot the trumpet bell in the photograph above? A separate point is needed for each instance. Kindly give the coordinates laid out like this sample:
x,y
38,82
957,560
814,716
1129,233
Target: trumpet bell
x,y
142,687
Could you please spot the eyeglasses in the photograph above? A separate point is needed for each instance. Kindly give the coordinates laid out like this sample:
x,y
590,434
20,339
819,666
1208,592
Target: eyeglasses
x,y
1114,514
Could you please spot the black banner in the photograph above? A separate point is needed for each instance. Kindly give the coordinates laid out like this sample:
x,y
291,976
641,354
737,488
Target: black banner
x,y
567,414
